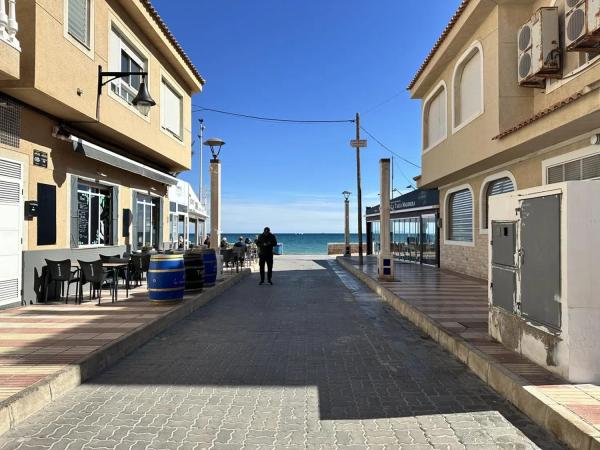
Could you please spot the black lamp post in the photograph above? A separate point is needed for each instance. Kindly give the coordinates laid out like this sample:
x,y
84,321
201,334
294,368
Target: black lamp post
x,y
346,195
215,145
142,101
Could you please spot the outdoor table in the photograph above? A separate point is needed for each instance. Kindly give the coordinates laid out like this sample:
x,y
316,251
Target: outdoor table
x,y
114,264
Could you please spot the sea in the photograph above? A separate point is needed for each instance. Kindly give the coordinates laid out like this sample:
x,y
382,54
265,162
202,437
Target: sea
x,y
301,243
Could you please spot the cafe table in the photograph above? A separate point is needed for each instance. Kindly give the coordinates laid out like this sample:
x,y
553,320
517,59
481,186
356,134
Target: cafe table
x,y
114,265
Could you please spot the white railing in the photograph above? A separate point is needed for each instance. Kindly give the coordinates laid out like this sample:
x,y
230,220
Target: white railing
x,y
8,23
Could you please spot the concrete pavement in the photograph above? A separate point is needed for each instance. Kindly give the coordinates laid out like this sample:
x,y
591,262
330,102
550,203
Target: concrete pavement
x,y
315,361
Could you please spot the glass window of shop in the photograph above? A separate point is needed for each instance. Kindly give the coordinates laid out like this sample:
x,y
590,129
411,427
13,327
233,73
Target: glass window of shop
x,y
415,239
147,221
94,215
376,233
193,231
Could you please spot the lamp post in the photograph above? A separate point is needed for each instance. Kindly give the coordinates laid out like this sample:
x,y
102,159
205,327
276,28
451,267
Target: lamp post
x,y
215,145
347,249
142,100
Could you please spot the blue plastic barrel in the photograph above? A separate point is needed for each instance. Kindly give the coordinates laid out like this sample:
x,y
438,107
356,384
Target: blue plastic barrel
x,y
166,279
209,257
278,249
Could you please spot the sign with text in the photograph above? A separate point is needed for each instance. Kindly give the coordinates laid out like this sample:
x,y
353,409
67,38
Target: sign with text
x,y
358,143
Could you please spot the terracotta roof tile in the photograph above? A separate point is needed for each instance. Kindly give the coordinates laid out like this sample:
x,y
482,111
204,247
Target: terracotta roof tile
x,y
543,113
169,35
461,8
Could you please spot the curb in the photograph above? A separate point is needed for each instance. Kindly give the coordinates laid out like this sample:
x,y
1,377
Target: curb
x,y
20,406
554,418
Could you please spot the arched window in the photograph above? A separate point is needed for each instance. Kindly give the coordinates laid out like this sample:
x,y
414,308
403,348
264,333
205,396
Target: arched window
x,y
460,216
495,187
468,86
435,122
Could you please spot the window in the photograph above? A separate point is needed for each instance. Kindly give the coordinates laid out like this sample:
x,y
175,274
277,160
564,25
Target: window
x,y
78,19
171,110
435,118
94,214
578,169
460,216
124,58
495,187
468,88
146,221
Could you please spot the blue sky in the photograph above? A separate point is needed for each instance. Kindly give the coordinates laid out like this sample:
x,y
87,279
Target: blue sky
x,y
310,59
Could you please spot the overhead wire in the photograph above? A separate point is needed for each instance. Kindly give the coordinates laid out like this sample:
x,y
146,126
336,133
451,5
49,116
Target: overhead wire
x,y
389,149
270,119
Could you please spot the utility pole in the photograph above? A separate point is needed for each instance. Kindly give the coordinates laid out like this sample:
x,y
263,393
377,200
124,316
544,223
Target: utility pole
x,y
200,133
359,191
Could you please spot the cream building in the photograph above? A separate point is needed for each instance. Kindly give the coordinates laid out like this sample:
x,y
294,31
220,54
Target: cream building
x,y
83,173
485,133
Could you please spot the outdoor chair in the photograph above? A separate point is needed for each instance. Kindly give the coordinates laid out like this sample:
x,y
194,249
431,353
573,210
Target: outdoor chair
x,y
59,272
120,273
228,257
238,254
136,266
94,274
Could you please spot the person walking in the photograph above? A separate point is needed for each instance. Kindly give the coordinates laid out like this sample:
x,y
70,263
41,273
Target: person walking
x,y
265,243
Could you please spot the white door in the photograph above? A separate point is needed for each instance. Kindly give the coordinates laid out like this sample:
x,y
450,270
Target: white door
x,y
11,219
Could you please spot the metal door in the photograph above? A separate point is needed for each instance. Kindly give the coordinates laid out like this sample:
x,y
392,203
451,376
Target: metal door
x,y
11,222
540,259
504,278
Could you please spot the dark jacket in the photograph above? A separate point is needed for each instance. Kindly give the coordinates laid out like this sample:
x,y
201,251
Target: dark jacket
x,y
265,243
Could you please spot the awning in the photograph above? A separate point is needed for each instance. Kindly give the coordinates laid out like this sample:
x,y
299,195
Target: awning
x,y
98,153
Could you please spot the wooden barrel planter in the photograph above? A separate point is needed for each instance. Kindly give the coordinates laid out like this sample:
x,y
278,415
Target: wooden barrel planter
x,y
209,257
166,279
194,271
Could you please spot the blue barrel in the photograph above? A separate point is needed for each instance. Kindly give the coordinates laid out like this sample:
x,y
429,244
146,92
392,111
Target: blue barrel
x,y
278,249
209,257
166,279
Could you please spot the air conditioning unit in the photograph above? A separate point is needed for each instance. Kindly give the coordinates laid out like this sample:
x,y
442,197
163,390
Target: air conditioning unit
x,y
539,49
582,25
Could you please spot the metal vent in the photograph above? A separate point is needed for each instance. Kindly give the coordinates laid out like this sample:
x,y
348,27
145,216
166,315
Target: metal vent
x,y
10,121
524,38
579,169
575,24
10,169
9,192
9,290
572,3
525,65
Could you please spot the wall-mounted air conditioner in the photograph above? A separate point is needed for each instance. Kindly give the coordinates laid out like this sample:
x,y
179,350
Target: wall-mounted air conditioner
x,y
582,25
539,49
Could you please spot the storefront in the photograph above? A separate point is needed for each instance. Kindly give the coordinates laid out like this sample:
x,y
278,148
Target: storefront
x,y
414,230
187,217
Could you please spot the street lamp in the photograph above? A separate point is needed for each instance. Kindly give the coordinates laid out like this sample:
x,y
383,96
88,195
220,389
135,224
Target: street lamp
x,y
142,100
347,250
215,145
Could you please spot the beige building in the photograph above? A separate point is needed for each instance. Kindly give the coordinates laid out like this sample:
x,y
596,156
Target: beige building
x,y
506,108
85,172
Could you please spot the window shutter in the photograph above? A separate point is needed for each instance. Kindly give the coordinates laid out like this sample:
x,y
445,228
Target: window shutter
x,y
436,120
171,110
79,18
460,216
500,186
590,167
74,232
579,169
115,216
470,89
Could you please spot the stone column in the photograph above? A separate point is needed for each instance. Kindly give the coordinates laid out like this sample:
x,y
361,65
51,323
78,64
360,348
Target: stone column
x,y
347,249
215,204
385,262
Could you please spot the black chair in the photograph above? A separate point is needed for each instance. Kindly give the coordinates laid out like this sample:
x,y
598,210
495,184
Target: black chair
x,y
108,258
136,268
59,272
228,257
120,273
145,262
239,254
94,274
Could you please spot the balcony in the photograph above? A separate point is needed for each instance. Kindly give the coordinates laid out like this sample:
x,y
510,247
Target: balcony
x,y
10,49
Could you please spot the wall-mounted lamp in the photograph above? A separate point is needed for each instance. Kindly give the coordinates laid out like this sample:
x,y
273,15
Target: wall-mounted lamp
x,y
142,101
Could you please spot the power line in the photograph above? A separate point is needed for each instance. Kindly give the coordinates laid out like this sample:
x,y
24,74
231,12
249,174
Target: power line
x,y
379,105
390,150
270,119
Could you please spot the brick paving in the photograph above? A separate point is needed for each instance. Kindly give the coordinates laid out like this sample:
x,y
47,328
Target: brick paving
x,y
316,361
39,340
460,305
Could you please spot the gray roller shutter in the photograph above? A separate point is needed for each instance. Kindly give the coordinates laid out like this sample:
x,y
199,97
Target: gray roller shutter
x,y
460,216
79,20
115,216
579,169
74,213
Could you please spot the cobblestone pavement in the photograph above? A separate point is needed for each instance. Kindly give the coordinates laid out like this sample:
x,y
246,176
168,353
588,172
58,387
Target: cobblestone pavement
x,y
315,361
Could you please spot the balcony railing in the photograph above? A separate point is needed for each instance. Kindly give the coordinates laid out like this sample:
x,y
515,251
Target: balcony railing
x,y
8,23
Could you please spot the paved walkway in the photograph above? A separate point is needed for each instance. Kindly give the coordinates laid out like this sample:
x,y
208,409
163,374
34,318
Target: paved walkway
x,y
460,305
39,340
315,361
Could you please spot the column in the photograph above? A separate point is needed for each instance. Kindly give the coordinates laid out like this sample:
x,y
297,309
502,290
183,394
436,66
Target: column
x,y
215,204
3,21
385,266
13,26
347,248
